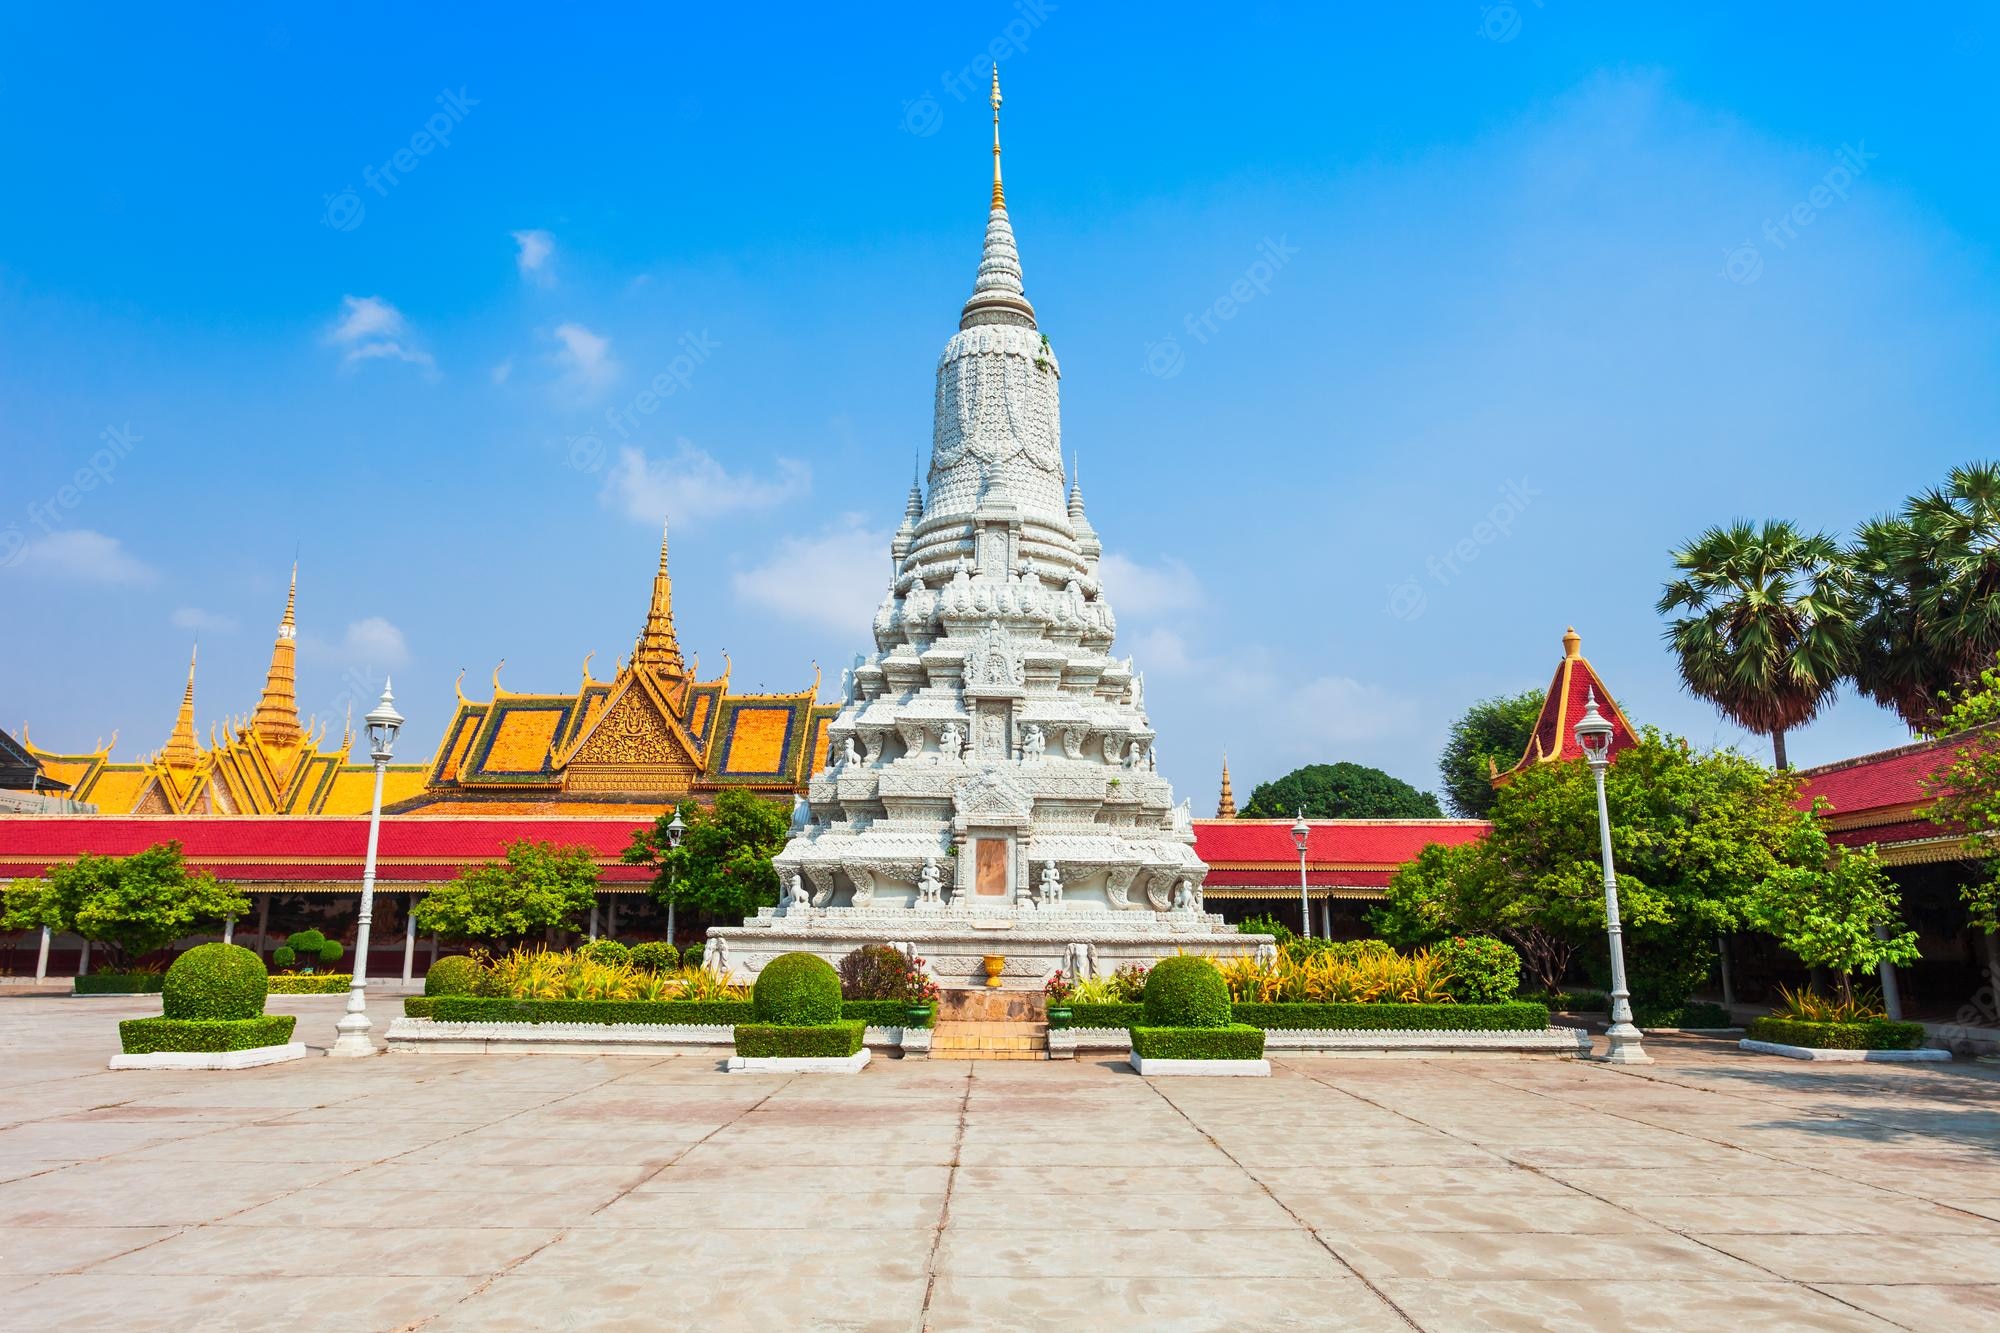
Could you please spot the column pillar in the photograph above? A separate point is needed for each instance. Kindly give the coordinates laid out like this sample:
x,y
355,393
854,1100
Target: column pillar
x,y
1728,982
263,923
229,930
42,957
1326,917
409,937
611,910
83,962
593,916
434,951
1892,995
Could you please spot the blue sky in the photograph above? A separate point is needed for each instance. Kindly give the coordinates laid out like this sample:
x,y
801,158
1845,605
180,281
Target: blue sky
x,y
1530,329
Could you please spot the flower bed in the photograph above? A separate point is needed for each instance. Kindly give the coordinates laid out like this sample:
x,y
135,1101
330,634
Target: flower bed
x,y
316,983
1235,1041
723,1013
823,1041
119,983
148,1036
1512,1016
1870,1034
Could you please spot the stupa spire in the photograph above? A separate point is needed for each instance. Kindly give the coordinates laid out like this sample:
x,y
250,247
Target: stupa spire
x,y
657,648
997,294
181,750
1225,805
276,720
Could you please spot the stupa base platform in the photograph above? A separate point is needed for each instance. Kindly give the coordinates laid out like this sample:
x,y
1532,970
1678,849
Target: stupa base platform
x,y
1031,944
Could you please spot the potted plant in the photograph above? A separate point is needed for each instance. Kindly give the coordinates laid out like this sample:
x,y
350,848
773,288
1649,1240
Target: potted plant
x,y
1058,993
923,998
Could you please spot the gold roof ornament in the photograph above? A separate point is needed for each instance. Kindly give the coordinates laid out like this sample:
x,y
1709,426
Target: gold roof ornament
x,y
658,649
182,750
276,720
1225,805
999,195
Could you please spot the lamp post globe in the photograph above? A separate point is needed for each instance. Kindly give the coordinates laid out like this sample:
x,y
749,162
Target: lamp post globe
x,y
1593,736
1301,832
382,722
675,831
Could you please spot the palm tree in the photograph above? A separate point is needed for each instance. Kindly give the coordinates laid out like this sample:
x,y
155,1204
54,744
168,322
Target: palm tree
x,y
1769,629
1930,579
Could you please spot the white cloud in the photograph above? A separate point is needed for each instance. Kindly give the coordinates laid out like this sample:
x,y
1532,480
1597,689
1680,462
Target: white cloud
x,y
77,554
370,329
536,248
1140,590
194,618
373,642
500,372
690,485
834,579
586,360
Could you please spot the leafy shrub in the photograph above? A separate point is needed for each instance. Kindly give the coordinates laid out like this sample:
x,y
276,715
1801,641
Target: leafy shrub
x,y
322,983
1868,1034
1236,1041
606,951
876,972
1693,1014
1125,986
1345,951
1186,992
119,983
145,1036
215,981
1267,924
1483,970
656,956
797,990
1340,975
487,1009
1096,1014
691,956
456,975
1514,1016
284,955
881,1013
817,1040
1810,1007
308,949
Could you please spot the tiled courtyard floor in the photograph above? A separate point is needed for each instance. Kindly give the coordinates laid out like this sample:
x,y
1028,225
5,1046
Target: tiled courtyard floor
x,y
1712,1191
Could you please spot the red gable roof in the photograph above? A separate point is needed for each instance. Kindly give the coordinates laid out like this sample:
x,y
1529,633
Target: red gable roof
x,y
291,848
1876,781
1331,842
1576,680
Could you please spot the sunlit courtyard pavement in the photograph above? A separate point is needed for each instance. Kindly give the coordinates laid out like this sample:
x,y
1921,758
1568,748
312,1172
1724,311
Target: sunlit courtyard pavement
x,y
1713,1190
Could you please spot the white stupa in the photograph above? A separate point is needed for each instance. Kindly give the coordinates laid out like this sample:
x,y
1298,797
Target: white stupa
x,y
991,786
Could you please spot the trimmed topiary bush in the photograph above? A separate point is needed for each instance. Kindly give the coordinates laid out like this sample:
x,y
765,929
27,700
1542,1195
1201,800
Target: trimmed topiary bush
x,y
802,990
284,956
816,1041
1234,1041
308,949
691,956
656,956
457,975
1693,1014
1186,992
321,983
1483,970
147,1036
215,981
119,983
606,951
1870,1034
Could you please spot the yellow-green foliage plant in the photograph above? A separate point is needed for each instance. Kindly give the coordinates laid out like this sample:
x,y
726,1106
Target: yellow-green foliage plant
x,y
1326,978
541,974
1809,1007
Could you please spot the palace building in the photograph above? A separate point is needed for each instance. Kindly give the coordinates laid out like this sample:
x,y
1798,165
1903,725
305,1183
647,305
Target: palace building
x,y
653,734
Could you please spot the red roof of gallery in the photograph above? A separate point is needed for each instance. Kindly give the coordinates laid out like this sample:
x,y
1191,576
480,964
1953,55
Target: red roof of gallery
x,y
1331,842
1870,781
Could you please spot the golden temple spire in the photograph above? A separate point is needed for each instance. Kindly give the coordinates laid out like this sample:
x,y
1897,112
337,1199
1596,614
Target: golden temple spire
x,y
276,720
1225,806
182,751
999,195
657,648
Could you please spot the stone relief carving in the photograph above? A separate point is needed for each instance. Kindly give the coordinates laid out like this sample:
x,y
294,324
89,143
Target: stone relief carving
x,y
951,742
822,882
1051,886
795,898
1073,739
1159,887
930,885
1034,742
1118,884
1080,961
864,884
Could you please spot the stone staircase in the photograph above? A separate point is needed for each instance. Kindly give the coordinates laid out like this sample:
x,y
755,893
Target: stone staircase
x,y
990,1025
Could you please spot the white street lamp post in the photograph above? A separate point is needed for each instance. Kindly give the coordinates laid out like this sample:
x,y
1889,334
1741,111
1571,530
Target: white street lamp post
x,y
675,831
1593,737
383,723
1300,832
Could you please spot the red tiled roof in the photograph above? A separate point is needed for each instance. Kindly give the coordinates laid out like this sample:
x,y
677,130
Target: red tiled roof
x,y
293,848
1574,682
1874,781
1331,842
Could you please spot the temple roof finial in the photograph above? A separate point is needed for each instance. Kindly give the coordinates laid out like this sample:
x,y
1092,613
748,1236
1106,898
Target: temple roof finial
x,y
999,195
181,750
1572,643
663,545
1225,805
276,721
658,648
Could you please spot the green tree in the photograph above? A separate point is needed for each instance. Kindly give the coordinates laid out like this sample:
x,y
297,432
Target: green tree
x,y
1491,734
1965,792
1769,629
132,905
1340,791
535,886
1693,835
723,864
1930,579
1833,907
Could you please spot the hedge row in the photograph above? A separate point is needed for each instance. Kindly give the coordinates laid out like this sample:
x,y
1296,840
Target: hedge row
x,y
826,1040
320,983
1874,1034
1238,1041
485,1009
1512,1016
145,1036
119,983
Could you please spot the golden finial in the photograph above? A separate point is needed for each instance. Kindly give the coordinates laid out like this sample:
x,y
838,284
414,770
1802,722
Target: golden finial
x,y
496,677
458,687
586,665
999,195
291,602
663,546
1572,643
